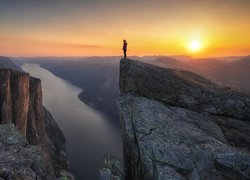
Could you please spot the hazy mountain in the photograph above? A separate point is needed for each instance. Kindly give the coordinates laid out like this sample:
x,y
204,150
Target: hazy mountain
x,y
233,74
6,62
97,76
168,62
232,58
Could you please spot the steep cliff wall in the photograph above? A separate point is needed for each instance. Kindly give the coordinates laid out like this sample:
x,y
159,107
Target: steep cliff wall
x,y
178,125
21,104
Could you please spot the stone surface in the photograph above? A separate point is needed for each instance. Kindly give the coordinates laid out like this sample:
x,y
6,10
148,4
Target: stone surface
x,y
105,174
166,137
56,145
14,98
21,104
181,88
18,159
112,163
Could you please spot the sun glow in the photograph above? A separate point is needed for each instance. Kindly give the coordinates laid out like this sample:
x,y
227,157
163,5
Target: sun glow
x,y
195,45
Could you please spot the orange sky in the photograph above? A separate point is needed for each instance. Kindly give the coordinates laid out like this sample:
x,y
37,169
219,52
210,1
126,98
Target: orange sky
x,y
76,28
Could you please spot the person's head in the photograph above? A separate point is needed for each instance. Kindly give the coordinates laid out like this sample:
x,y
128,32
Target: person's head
x,y
124,41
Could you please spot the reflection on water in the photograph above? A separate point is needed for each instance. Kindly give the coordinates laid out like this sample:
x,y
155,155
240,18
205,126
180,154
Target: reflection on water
x,y
89,135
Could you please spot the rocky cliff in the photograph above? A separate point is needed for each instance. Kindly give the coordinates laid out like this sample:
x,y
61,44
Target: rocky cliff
x,y
21,105
178,125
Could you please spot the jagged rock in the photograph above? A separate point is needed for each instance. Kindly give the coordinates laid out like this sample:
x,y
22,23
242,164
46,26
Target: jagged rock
x,y
112,163
105,174
14,98
56,145
181,88
21,104
19,160
165,139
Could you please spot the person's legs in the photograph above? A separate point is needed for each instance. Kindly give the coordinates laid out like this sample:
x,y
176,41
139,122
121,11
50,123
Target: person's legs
x,y
125,53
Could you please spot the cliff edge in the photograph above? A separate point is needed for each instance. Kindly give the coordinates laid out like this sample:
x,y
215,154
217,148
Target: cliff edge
x,y
32,145
178,125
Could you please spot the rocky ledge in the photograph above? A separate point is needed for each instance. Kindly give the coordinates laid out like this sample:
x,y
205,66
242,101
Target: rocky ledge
x,y
178,125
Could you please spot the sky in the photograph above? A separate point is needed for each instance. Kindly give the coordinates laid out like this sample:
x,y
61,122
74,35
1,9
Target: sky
x,y
98,27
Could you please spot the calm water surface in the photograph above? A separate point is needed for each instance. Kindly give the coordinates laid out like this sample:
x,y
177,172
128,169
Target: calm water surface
x,y
89,134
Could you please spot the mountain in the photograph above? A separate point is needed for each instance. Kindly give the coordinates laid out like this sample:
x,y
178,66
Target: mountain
x,y
169,63
32,145
97,76
7,63
178,125
232,58
229,74
232,75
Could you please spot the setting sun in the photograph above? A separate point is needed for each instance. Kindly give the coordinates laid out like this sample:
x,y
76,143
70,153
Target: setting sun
x,y
195,45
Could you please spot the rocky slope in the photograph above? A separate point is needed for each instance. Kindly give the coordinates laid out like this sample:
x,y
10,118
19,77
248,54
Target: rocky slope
x,y
36,134
178,125
5,62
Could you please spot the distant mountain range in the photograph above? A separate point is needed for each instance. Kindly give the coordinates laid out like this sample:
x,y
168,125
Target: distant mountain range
x,y
97,76
233,74
6,62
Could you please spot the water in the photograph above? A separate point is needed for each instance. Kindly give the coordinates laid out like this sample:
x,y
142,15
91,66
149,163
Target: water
x,y
88,133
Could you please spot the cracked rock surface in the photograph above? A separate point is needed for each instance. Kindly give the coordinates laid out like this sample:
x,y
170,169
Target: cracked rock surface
x,y
168,140
182,89
18,159
34,131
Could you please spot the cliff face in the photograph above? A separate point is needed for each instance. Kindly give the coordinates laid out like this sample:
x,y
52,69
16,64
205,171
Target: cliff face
x,y
178,125
21,105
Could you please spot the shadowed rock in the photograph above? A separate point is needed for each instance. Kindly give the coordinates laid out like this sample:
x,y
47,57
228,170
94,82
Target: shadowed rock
x,y
178,125
21,104
18,159
181,88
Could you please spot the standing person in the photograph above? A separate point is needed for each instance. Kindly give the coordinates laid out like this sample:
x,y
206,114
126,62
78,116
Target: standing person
x,y
125,44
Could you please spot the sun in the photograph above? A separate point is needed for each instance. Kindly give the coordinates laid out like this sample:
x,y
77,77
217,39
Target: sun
x,y
195,45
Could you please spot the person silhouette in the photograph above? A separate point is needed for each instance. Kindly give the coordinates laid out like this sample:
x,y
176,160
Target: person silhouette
x,y
125,45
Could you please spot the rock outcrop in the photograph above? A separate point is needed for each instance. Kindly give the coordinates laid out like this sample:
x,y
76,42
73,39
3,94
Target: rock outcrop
x,y
181,88
19,159
178,125
21,105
